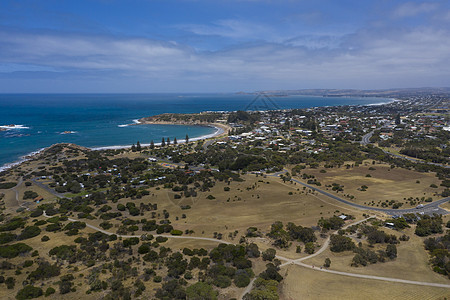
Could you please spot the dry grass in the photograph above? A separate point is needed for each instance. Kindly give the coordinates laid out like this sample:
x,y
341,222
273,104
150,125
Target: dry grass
x,y
411,262
302,283
384,184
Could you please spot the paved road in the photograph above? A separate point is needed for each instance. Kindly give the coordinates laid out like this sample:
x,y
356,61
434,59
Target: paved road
x,y
48,189
17,194
289,261
429,209
323,248
366,138
441,285
415,160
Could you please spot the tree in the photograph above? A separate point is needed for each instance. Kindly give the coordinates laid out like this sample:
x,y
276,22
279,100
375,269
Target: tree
x,y
327,263
133,148
397,119
175,141
29,292
340,243
269,254
200,291
187,138
168,141
138,146
391,251
310,248
152,145
163,142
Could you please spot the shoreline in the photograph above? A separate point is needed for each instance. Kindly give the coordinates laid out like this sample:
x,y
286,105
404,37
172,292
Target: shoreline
x,y
221,130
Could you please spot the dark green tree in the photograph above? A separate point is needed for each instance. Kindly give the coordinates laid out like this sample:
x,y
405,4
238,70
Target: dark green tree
x,y
327,263
152,145
163,142
138,146
200,291
397,119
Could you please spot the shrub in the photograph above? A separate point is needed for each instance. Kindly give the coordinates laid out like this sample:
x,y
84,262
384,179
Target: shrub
x,y
341,243
36,213
14,250
7,237
269,254
176,232
161,239
49,291
29,232
29,292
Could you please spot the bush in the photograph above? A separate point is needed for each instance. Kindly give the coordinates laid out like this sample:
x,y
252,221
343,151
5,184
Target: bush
x,y
14,250
7,185
176,232
29,232
310,248
49,291
30,195
10,283
161,239
29,292
269,254
7,237
36,213
341,243
222,281
241,280
43,271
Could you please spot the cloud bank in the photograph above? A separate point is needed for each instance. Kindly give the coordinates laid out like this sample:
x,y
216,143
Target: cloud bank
x,y
379,55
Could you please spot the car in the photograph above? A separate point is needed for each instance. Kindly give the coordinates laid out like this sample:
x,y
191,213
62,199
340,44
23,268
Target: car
x,y
419,206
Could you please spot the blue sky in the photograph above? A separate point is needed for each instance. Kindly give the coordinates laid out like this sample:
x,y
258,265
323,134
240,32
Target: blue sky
x,y
222,45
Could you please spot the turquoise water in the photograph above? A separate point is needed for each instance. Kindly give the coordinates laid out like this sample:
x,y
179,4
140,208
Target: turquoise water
x,y
95,119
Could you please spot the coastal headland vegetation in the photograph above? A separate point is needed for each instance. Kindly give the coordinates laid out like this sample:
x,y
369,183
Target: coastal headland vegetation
x,y
277,198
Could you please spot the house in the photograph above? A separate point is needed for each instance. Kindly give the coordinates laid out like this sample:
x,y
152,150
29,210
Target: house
x,y
38,199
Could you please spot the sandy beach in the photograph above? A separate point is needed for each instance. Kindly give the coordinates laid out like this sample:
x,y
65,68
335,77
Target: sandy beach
x,y
221,131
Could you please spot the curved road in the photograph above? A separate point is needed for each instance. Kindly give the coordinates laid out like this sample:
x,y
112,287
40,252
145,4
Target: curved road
x,y
288,261
428,209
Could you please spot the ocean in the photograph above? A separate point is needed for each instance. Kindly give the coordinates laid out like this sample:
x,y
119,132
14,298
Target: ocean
x,y
97,120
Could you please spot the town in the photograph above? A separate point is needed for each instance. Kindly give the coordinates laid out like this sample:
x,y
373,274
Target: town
x,y
279,196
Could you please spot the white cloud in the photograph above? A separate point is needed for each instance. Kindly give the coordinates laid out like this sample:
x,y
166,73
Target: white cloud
x,y
411,9
367,59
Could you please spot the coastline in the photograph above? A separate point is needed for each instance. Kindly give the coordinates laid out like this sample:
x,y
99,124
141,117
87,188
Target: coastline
x,y
221,130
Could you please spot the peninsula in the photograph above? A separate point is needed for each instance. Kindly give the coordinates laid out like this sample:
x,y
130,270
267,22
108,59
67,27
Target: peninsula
x,y
332,198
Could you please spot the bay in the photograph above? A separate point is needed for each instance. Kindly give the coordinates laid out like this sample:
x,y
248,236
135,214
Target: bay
x,y
94,119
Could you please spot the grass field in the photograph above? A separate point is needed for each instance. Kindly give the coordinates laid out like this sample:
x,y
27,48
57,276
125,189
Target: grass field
x,y
302,283
411,262
383,184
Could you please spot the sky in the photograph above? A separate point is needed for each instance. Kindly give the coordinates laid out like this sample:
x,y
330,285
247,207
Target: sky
x,y
151,46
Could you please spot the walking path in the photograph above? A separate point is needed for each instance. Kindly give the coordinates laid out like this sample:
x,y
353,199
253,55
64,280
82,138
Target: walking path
x,y
288,261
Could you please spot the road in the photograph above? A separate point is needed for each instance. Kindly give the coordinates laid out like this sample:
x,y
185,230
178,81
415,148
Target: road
x,y
366,138
51,191
429,209
415,160
288,261
323,248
